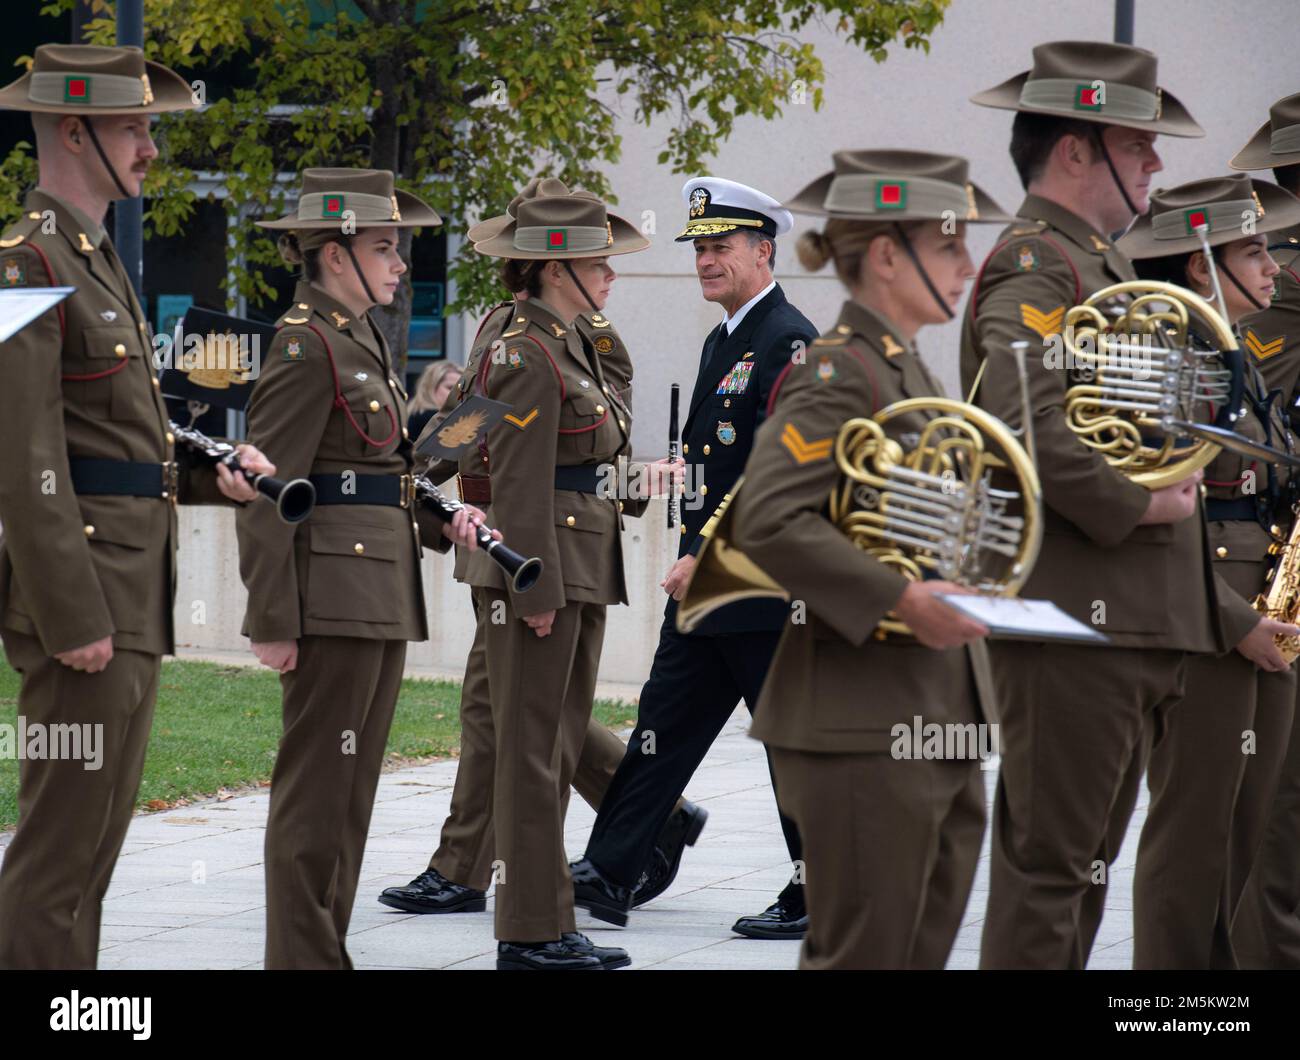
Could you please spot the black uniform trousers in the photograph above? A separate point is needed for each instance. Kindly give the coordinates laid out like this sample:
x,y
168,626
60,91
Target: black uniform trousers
x,y
694,685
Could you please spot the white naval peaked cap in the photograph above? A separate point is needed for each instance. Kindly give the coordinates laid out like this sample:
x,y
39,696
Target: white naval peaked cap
x,y
716,206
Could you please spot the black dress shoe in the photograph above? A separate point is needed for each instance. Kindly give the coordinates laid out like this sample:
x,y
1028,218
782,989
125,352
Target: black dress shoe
x,y
610,957
602,898
681,831
562,955
784,919
432,892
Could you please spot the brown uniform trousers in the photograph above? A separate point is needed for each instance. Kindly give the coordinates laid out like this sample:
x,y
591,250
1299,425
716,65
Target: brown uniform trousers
x,y
890,843
1204,822
77,566
345,585
540,689
466,844
1073,718
1266,931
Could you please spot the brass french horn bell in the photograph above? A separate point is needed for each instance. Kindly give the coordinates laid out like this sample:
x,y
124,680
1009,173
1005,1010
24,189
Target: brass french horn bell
x,y
1149,357
963,503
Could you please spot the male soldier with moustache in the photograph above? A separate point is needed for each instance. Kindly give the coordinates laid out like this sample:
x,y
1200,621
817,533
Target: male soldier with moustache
x,y
88,488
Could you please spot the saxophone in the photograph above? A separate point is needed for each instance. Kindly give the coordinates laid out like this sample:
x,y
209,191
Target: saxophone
x,y
1281,599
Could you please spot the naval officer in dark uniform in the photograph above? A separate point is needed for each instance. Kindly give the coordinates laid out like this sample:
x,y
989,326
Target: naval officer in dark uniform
x,y
697,678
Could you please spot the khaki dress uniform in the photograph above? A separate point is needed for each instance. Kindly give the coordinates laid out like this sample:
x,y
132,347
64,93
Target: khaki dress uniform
x,y
1205,821
1266,931
466,846
543,464
890,843
344,584
1071,716
88,488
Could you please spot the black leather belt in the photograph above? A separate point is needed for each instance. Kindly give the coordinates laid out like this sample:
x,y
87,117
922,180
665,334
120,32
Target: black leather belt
x,y
123,478
1242,509
396,491
582,478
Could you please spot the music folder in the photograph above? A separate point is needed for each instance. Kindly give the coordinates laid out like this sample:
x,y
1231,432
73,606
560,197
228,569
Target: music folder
x,y
1011,618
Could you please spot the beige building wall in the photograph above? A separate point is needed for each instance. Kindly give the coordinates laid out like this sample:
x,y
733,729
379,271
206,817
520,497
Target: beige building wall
x,y
1225,61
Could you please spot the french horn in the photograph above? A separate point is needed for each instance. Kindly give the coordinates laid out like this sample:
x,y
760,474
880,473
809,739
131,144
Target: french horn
x,y
963,502
1154,362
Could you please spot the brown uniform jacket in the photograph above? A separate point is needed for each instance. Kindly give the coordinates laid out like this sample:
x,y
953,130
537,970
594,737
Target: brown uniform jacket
x,y
564,413
79,382
832,686
1152,585
349,570
1240,539
1272,336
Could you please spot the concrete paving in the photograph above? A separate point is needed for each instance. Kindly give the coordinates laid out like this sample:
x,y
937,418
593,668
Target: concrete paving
x,y
188,891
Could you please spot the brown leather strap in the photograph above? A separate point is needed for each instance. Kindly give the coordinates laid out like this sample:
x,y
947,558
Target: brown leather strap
x,y
476,489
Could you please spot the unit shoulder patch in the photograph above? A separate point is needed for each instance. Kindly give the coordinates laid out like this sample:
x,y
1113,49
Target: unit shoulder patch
x,y
13,272
293,349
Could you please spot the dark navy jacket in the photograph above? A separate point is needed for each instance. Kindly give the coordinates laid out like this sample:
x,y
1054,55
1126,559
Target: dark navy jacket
x,y
729,402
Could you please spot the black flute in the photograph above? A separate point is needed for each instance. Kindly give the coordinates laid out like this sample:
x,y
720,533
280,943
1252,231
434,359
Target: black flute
x,y
293,500
523,572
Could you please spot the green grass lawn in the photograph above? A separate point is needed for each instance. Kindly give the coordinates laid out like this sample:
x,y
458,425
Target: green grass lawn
x,y
216,729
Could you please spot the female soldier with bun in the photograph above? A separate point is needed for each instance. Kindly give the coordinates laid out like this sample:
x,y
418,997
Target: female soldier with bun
x,y
890,844
333,600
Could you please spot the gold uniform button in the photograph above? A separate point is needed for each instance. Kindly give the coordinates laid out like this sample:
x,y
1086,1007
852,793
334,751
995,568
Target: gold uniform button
x,y
622,426
120,350
393,383
843,329
1275,530
303,305
374,406
620,506
683,529
406,434
90,530
519,320
570,521
359,549
171,438
600,410
1221,552
706,448
685,449
141,325
156,384
34,216
704,491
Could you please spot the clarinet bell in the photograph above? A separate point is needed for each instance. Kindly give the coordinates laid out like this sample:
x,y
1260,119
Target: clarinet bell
x,y
523,572
294,500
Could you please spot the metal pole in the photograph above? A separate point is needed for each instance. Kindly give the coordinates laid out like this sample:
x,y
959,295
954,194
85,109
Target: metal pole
x,y
128,214
81,14
1124,21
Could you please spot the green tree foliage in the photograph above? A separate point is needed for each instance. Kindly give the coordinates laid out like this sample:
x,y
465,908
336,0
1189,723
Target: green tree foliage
x,y
465,99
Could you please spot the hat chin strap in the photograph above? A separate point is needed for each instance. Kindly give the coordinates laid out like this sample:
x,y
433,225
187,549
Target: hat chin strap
x,y
1223,268
90,128
568,265
1100,142
356,265
925,276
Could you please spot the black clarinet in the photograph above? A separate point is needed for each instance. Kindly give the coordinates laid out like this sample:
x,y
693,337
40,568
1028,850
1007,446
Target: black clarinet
x,y
674,451
523,572
293,500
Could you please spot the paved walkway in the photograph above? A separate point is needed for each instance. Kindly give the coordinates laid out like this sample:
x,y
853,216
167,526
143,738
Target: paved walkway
x,y
188,891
